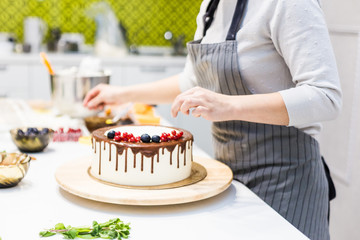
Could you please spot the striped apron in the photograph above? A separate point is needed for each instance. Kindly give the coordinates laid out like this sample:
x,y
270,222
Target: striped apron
x,y
282,165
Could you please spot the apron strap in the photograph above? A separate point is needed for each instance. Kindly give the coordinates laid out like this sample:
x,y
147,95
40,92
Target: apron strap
x,y
209,15
236,21
235,24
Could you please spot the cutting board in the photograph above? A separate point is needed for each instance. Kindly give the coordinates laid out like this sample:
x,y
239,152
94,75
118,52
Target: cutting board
x,y
74,178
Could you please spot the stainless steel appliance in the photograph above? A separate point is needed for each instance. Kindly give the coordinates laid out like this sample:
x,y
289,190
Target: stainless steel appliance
x,y
69,88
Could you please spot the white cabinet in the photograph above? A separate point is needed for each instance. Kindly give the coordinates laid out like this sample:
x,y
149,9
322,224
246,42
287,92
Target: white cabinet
x,y
149,72
14,80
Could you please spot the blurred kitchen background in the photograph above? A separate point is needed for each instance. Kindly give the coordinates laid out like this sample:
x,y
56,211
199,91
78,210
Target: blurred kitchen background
x,y
142,41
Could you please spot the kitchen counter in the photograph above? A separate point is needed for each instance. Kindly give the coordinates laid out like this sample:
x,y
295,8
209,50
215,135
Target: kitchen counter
x,y
37,203
75,59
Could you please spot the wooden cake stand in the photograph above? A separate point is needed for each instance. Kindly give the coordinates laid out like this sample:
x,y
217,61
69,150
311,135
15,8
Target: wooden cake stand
x,y
73,177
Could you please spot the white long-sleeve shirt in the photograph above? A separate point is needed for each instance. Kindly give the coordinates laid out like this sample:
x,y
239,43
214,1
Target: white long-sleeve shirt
x,y
283,46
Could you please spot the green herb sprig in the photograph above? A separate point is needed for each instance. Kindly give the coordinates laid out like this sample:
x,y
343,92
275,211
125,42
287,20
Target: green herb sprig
x,y
112,229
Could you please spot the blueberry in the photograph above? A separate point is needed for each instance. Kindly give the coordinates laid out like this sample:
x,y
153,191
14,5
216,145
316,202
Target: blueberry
x,y
44,131
155,138
145,138
20,133
35,131
111,134
32,130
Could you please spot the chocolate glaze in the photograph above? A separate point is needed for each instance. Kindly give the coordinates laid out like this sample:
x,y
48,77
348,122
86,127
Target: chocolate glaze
x,y
148,150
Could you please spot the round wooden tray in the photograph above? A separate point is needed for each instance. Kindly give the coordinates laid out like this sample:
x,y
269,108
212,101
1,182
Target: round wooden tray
x,y
73,177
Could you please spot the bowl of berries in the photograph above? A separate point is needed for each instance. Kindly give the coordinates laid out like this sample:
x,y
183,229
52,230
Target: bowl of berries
x,y
31,139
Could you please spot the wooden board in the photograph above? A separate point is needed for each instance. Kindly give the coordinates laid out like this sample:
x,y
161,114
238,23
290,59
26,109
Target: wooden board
x,y
73,177
198,173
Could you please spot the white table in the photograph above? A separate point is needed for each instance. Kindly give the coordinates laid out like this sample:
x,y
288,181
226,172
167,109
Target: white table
x,y
37,203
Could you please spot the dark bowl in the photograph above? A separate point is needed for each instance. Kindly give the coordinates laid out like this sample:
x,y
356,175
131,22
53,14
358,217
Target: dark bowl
x,y
32,142
94,122
13,168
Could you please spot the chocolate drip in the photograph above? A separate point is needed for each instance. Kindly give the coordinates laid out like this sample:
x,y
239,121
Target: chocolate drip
x,y
182,148
185,155
178,156
170,149
104,146
158,157
126,162
95,147
117,161
134,160
152,163
142,162
109,152
126,154
99,158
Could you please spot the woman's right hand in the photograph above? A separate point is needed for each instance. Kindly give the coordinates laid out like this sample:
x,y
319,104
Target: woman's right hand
x,y
103,94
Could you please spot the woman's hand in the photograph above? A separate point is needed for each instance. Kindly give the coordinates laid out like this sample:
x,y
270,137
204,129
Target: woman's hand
x,y
204,103
102,95
266,108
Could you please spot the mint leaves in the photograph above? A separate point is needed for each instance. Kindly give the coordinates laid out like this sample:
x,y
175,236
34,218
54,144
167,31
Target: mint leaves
x,y
112,229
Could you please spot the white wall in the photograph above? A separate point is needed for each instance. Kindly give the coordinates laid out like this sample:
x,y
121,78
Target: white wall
x,y
340,140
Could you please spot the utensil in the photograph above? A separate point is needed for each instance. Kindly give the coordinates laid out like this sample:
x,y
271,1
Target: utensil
x,y
69,88
118,116
46,62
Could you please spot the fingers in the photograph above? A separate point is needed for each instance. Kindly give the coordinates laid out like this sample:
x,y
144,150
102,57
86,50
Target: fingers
x,y
90,95
200,111
188,100
96,103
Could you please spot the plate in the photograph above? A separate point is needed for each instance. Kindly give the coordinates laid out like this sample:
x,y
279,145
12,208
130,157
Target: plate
x,y
74,178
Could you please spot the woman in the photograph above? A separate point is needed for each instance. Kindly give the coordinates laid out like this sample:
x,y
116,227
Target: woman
x,y
265,74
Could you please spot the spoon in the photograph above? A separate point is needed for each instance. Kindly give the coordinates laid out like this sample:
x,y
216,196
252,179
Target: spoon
x,y
46,62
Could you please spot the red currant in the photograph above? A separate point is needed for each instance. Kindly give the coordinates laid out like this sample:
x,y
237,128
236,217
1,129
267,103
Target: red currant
x,y
117,138
117,133
173,132
125,134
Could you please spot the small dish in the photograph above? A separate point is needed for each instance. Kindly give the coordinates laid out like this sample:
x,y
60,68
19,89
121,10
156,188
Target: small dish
x,y
95,122
13,168
31,139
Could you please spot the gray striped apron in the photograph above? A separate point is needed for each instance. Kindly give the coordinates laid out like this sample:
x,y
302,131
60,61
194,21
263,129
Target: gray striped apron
x,y
282,165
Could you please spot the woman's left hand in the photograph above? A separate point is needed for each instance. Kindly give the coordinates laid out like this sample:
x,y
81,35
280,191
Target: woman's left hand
x,y
204,103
